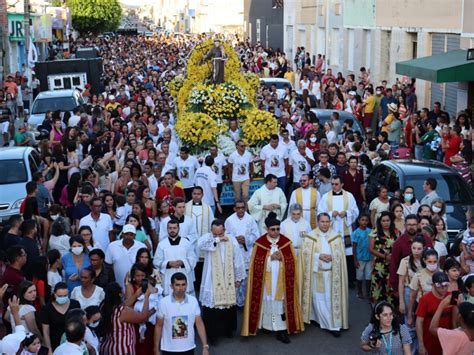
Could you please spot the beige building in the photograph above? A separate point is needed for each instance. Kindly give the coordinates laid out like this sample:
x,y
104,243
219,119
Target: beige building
x,y
379,33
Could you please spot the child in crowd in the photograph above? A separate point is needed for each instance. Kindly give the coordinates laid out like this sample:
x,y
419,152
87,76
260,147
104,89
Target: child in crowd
x,y
362,256
467,259
469,289
468,236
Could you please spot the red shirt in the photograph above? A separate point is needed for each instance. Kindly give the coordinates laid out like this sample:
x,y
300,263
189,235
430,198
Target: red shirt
x,y
12,277
426,309
352,183
162,194
454,142
402,248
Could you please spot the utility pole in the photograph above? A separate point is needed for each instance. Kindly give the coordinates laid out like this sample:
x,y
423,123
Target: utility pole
x,y
26,27
4,55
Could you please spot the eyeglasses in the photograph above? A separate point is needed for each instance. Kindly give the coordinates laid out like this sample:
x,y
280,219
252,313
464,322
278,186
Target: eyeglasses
x,y
442,284
274,229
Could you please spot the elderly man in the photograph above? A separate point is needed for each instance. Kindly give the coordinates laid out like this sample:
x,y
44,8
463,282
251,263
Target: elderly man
x,y
268,198
323,266
294,227
308,198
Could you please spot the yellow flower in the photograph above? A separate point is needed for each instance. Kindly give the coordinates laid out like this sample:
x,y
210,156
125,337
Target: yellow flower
x,y
196,128
257,125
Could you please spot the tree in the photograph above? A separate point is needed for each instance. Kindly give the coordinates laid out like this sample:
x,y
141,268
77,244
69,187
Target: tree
x,y
95,15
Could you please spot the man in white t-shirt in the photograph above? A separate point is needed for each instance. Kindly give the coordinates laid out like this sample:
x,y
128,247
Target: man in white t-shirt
x,y
274,157
240,168
207,179
186,166
301,160
100,223
220,163
177,315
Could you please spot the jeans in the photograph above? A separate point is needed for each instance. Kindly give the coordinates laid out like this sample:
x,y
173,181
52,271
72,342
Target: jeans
x,y
419,152
282,183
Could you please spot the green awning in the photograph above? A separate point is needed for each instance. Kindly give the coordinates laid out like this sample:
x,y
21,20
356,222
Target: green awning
x,y
439,68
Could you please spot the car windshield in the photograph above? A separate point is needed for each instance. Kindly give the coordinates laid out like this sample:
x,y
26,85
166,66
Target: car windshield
x,y
279,84
451,188
53,104
16,171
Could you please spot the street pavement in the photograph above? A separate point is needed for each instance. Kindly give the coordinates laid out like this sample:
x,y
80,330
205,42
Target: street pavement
x,y
312,341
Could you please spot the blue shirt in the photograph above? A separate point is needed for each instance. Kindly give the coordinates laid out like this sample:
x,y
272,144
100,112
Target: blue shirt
x,y
361,238
70,269
384,102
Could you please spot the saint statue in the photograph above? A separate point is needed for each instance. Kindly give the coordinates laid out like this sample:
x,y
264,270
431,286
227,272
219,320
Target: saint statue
x,y
218,56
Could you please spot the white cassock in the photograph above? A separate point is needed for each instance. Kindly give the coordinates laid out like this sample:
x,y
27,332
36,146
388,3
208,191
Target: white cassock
x,y
186,229
209,244
184,251
264,196
202,217
344,202
294,231
306,203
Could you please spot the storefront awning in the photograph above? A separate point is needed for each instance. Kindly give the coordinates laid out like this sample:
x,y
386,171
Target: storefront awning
x,y
439,68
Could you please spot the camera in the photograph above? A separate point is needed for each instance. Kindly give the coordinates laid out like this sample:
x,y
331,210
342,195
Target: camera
x,y
144,285
373,337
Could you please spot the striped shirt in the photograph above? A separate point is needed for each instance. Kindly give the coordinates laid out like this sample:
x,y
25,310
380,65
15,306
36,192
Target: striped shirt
x,y
121,339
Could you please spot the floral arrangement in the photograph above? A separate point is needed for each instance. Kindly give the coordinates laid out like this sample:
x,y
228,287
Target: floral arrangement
x,y
175,85
257,126
225,144
195,128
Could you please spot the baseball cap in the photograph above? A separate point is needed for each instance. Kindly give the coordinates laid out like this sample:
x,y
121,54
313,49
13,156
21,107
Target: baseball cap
x,y
352,93
439,277
10,343
111,97
128,228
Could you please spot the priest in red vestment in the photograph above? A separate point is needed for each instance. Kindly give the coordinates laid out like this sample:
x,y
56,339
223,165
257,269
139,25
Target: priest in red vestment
x,y
272,300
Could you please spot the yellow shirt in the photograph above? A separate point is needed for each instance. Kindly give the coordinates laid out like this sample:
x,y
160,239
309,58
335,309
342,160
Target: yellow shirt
x,y
290,76
386,122
369,104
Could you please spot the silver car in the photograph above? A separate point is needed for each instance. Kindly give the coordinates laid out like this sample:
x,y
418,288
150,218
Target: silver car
x,y
17,166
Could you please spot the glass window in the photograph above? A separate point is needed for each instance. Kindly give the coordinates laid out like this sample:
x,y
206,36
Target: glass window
x,y
54,104
451,188
17,171
393,182
32,163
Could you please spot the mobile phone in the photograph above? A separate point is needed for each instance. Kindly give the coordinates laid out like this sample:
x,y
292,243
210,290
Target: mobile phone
x,y
454,298
144,285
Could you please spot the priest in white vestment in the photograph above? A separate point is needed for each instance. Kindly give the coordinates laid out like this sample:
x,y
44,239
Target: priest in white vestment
x,y
224,270
308,197
242,226
342,208
186,226
268,198
175,254
324,286
295,226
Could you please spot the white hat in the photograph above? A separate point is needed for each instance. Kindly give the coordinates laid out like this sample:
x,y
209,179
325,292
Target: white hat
x,y
352,93
392,107
129,228
10,343
111,97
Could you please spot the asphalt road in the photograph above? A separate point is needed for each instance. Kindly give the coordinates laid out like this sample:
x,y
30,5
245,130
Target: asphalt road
x,y
312,341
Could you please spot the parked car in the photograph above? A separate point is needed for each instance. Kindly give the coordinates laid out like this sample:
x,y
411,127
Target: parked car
x,y
324,115
279,82
458,196
18,164
62,100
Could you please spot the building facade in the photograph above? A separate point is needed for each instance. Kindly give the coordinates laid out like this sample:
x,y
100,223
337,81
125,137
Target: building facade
x,y
377,34
263,22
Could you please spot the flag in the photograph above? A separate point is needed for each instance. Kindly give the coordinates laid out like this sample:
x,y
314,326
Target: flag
x,y
32,54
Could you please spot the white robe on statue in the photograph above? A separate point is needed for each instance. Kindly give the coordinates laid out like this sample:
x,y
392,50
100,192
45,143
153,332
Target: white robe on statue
x,y
209,245
342,226
264,196
294,231
184,251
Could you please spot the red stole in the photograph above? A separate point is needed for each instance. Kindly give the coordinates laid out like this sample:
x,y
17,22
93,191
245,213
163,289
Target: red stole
x,y
256,283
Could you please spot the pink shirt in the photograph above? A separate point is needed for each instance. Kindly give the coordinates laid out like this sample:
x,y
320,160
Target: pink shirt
x,y
455,342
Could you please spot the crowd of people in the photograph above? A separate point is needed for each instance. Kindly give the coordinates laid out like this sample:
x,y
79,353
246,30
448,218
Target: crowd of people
x,y
123,246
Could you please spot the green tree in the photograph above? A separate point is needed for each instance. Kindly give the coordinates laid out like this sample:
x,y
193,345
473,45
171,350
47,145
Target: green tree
x,y
95,15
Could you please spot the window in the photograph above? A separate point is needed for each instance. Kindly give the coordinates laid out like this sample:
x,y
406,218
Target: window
x,y
451,188
32,163
393,183
17,172
53,104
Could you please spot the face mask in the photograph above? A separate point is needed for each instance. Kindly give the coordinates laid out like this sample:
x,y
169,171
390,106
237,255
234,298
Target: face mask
x,y
313,139
54,217
432,267
378,92
408,197
62,299
94,324
77,250
436,209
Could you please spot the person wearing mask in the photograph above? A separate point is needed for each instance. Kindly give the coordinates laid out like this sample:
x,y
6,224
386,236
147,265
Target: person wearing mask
x,y
392,337
410,204
75,261
53,315
428,304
